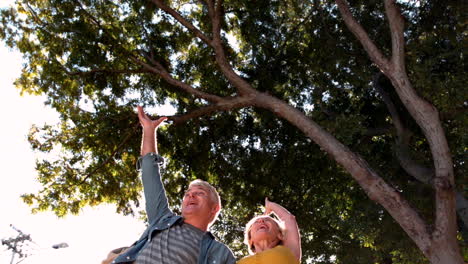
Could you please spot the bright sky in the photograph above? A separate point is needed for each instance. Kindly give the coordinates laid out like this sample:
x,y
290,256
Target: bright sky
x,y
91,234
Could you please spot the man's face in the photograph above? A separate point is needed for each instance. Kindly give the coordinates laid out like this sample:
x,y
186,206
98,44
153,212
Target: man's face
x,y
197,202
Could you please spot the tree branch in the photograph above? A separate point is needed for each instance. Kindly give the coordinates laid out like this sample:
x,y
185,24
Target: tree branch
x,y
218,15
421,173
224,105
396,23
159,70
83,73
211,8
372,50
183,21
37,19
401,130
427,117
243,87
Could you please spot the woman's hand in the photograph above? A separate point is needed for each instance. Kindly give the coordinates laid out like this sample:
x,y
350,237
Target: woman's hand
x,y
292,237
268,206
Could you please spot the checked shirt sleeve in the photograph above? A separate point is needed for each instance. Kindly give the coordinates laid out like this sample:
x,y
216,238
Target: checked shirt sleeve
x,y
155,195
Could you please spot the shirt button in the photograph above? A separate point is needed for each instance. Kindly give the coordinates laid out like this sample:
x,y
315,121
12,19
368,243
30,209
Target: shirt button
x,y
128,257
168,224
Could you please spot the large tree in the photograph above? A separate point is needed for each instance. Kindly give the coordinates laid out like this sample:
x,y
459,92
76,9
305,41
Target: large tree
x,y
253,83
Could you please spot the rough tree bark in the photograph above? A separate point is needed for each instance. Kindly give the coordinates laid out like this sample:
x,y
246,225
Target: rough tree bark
x,y
421,173
442,244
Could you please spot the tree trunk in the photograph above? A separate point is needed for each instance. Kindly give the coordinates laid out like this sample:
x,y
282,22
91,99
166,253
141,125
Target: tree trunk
x,y
445,252
440,245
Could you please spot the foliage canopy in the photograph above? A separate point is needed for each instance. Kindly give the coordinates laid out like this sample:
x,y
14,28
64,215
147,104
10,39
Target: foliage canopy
x,y
85,56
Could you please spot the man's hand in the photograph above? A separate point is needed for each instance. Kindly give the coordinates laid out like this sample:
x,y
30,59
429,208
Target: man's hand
x,y
149,143
114,254
110,257
146,122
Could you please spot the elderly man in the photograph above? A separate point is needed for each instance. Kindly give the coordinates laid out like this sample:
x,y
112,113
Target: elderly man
x,y
171,238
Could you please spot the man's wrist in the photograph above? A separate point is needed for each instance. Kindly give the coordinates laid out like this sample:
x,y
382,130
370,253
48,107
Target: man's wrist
x,y
150,128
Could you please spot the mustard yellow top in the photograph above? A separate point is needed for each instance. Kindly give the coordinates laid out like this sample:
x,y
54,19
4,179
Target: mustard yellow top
x,y
276,255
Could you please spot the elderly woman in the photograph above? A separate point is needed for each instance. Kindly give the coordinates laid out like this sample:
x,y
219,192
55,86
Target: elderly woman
x,y
271,241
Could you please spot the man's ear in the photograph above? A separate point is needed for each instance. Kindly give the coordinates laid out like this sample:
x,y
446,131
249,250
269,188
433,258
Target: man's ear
x,y
215,209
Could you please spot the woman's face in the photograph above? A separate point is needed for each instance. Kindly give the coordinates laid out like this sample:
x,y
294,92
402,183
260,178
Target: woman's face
x,y
265,228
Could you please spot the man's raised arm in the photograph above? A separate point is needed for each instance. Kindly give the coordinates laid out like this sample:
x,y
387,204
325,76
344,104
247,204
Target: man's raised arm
x,y
155,195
